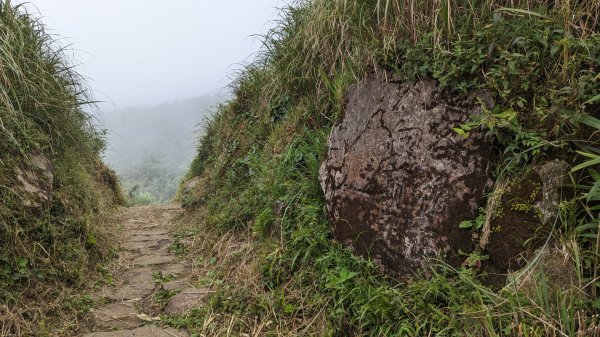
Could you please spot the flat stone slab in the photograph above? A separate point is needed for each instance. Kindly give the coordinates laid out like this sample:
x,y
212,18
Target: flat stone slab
x,y
154,244
117,316
145,237
153,259
143,224
186,301
177,284
145,331
174,269
136,283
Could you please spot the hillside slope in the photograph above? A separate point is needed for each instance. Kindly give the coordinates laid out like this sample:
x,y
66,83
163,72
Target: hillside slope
x,y
54,188
151,146
255,177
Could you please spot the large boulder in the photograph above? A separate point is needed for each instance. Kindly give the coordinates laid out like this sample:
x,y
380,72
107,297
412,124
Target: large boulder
x,y
398,180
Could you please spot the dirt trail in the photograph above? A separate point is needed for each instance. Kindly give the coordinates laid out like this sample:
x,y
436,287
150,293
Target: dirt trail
x,y
150,280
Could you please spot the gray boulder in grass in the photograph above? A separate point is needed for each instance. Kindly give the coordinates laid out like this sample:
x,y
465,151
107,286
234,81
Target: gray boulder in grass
x,y
398,180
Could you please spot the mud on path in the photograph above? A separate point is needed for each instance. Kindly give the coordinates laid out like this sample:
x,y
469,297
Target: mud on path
x,y
149,279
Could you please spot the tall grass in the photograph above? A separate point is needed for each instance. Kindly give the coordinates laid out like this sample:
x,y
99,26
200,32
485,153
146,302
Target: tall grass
x,y
42,102
259,157
318,41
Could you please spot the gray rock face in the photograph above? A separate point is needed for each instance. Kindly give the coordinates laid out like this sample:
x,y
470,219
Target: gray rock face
x,y
398,180
36,182
186,301
136,283
191,193
191,185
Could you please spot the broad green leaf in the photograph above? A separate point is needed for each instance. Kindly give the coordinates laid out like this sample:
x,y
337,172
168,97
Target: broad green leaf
x,y
586,120
589,155
466,224
461,132
586,164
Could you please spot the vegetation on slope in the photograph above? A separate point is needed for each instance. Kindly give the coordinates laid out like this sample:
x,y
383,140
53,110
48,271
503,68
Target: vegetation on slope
x,y
259,156
42,252
150,147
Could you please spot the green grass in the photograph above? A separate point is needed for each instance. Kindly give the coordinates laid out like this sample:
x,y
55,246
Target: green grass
x,y
43,103
259,159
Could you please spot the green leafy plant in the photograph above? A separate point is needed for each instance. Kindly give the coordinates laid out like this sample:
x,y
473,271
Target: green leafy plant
x,y
178,248
476,223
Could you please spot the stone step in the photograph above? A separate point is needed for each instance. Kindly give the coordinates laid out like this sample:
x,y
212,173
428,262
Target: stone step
x,y
145,331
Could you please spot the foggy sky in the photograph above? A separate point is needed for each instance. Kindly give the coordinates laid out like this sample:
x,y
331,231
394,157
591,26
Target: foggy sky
x,y
140,52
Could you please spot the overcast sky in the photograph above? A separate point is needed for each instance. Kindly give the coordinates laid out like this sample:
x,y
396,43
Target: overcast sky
x,y
140,52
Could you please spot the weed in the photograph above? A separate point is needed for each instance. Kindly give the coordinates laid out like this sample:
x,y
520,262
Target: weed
x,y
162,296
178,247
161,279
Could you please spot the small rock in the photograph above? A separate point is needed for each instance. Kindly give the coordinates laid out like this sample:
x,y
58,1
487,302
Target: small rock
x,y
186,301
140,242
191,193
526,206
174,269
552,175
191,185
147,229
117,316
147,318
140,246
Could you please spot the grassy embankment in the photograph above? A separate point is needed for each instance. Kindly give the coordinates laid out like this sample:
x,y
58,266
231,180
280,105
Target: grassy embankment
x,y
47,255
274,265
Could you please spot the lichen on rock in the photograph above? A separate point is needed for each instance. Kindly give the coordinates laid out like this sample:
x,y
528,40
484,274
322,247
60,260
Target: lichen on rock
x,y
398,180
